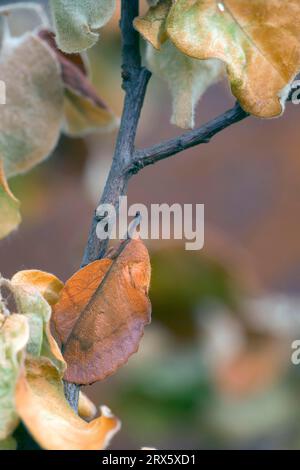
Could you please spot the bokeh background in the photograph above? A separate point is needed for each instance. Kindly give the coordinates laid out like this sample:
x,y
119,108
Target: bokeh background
x,y
214,369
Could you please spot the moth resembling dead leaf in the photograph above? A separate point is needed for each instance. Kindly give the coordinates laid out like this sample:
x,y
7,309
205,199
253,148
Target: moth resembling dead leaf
x,y
14,335
258,40
31,119
84,110
41,404
10,217
77,22
102,312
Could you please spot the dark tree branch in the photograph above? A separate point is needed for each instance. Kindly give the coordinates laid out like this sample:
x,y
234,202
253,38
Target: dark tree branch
x,y
189,139
135,80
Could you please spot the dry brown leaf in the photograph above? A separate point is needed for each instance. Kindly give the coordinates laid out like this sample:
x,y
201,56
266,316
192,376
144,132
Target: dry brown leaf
x,y
258,40
108,320
41,405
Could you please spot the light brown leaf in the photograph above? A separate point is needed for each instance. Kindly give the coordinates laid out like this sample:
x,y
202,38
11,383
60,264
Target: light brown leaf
x,y
41,404
109,318
152,26
258,40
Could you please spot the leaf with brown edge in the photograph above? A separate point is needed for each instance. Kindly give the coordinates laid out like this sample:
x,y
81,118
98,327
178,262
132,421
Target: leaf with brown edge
x,y
10,217
84,110
258,40
41,405
152,26
108,329
47,284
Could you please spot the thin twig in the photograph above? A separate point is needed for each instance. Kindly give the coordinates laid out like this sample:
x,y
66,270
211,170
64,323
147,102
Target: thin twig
x,y
171,147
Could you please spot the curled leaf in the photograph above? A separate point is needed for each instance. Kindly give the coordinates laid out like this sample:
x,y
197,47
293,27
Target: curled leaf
x,y
41,404
101,315
86,408
152,26
10,216
77,22
14,335
47,284
251,37
187,78
32,116
31,289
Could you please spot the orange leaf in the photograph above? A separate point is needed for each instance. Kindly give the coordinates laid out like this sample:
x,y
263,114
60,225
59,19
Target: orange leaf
x,y
107,310
41,405
47,284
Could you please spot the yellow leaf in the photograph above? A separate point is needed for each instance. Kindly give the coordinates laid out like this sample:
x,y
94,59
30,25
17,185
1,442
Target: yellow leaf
x,y
47,284
44,410
152,26
258,40
86,408
31,288
83,116
14,335
10,216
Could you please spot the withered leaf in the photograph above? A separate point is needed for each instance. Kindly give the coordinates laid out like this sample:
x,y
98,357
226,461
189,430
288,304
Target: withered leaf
x,y
152,26
41,405
258,40
84,110
100,317
31,119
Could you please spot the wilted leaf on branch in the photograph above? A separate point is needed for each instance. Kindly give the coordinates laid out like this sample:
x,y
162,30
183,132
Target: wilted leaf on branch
x,y
251,37
102,312
188,79
84,110
31,119
41,405
152,26
10,216
77,22
48,285
14,335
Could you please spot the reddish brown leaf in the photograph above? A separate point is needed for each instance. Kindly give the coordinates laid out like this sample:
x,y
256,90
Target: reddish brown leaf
x,y
74,71
107,306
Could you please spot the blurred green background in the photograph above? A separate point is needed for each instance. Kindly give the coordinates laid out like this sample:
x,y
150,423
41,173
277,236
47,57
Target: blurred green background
x,y
214,369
